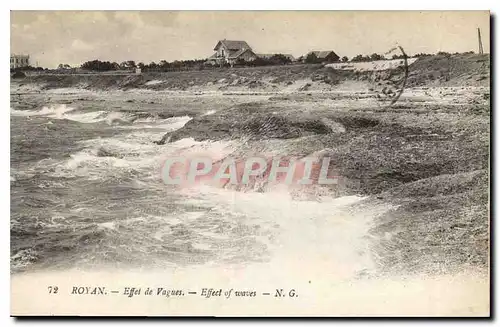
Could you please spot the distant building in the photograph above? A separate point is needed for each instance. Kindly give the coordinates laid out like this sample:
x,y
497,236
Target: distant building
x,y
17,61
64,66
321,56
228,51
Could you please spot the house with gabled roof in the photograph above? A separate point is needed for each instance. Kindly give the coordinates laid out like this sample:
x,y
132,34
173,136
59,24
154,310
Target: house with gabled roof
x,y
230,51
321,56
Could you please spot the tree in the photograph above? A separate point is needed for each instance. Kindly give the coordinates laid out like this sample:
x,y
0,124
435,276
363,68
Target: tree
x,y
153,65
358,58
345,59
443,53
280,59
97,65
401,56
27,68
311,58
422,55
177,64
164,65
376,56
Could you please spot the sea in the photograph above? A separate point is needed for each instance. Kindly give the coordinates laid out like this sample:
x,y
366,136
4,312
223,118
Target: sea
x,y
87,192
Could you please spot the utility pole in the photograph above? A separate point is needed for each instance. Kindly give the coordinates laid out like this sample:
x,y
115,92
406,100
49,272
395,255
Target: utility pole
x,y
479,39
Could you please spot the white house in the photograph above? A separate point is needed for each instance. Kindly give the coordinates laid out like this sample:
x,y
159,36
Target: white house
x,y
17,61
228,51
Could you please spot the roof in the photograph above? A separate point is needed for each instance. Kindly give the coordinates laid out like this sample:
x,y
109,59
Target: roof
x,y
236,54
322,54
232,54
19,55
233,45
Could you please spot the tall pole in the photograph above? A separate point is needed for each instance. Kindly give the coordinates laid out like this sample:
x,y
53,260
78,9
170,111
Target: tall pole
x,y
479,39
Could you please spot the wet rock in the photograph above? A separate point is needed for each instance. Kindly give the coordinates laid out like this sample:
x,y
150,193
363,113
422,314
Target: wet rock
x,y
252,123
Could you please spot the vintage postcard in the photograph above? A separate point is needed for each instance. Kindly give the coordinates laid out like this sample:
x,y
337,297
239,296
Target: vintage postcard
x,y
250,163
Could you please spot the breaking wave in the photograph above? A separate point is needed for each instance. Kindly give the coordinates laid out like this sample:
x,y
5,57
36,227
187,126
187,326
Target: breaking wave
x,y
56,111
127,119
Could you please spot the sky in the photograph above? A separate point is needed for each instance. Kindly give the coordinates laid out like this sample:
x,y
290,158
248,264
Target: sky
x,y
73,37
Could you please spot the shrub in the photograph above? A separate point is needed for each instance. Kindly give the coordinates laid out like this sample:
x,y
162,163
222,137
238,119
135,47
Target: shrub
x,y
311,58
442,53
18,74
422,55
401,56
97,65
376,56
360,58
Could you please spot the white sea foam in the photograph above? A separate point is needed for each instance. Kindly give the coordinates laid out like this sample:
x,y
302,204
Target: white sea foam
x,y
108,225
154,82
107,157
122,119
117,117
167,125
210,112
85,117
55,111
326,236
63,112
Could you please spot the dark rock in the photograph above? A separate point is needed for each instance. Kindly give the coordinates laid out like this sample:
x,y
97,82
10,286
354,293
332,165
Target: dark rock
x,y
18,75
